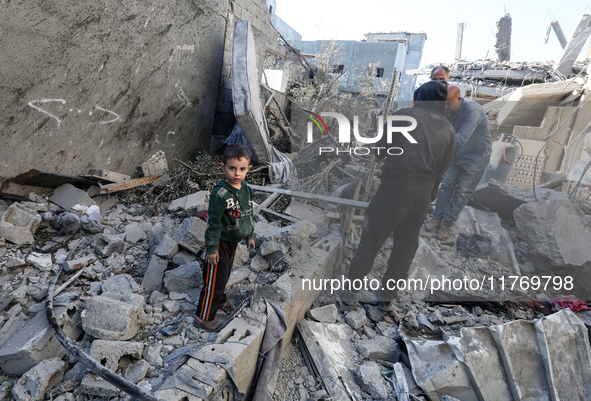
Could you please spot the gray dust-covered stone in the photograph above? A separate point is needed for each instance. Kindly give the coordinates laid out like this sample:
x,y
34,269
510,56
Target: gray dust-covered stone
x,y
35,383
152,280
68,196
196,202
134,233
121,283
356,318
41,261
114,316
259,263
325,314
379,347
183,278
106,245
18,224
25,342
136,371
284,238
183,257
167,247
109,353
370,380
555,231
241,256
190,234
505,198
152,354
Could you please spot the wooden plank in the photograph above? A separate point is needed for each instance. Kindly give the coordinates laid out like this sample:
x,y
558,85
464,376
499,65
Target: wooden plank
x,y
303,195
266,202
327,372
110,176
108,189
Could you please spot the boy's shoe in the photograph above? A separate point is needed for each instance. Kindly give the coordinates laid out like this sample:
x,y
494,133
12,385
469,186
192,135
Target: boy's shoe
x,y
208,325
444,232
432,225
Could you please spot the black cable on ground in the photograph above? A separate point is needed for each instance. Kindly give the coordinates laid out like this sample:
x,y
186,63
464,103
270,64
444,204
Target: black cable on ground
x,y
80,355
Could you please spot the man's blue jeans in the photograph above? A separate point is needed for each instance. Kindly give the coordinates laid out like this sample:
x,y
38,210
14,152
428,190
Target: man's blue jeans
x,y
457,186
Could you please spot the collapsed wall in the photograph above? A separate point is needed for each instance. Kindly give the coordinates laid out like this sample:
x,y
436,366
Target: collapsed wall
x,y
83,81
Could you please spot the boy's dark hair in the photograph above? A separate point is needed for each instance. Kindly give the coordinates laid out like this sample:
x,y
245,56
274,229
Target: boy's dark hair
x,y
235,151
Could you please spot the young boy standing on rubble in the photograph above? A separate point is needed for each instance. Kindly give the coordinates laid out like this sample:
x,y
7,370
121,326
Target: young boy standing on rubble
x,y
230,220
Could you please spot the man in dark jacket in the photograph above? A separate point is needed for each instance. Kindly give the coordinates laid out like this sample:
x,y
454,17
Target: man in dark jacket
x,y
409,183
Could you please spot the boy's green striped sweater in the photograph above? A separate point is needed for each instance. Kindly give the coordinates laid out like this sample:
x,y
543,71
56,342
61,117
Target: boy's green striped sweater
x,y
230,215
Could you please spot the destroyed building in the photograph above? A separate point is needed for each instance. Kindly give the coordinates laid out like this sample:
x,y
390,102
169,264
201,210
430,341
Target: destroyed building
x,y
102,234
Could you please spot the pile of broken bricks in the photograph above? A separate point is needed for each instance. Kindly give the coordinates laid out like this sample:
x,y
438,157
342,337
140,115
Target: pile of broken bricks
x,y
127,297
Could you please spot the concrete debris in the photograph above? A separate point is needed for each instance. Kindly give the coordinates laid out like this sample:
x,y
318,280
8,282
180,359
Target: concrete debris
x,y
67,196
370,380
40,379
555,231
114,316
18,224
197,202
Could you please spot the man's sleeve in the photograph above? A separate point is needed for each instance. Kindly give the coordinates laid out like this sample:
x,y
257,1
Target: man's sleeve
x,y
213,232
468,123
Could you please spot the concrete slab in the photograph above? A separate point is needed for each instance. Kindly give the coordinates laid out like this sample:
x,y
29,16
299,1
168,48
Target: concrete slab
x,y
67,196
564,345
26,342
191,234
196,202
39,380
153,278
109,353
184,278
518,347
114,316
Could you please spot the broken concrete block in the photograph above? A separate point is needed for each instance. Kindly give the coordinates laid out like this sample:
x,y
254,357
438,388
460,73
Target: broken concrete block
x,y
314,215
18,224
356,318
505,198
325,314
114,316
371,381
110,353
259,263
285,237
152,354
167,247
41,261
564,344
184,278
26,342
37,291
35,383
520,353
379,347
241,256
197,202
155,165
474,221
122,284
183,257
106,245
134,233
152,280
98,387
191,234
136,371
554,231
68,196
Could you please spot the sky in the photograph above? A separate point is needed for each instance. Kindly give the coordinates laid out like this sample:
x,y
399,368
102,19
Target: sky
x,y
349,20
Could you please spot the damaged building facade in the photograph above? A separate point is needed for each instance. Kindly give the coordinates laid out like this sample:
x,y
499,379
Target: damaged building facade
x,y
100,271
